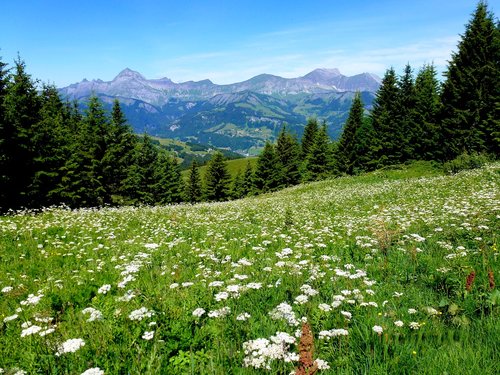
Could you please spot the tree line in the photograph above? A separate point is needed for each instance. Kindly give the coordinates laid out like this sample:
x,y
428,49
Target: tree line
x,y
413,118
51,152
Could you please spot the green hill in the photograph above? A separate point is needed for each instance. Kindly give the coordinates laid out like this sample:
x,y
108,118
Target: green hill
x,y
395,272
233,166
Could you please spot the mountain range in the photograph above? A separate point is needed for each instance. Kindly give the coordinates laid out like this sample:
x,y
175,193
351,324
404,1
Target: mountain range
x,y
239,116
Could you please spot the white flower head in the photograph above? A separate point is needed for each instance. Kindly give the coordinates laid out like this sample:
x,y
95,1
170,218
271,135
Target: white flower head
x,y
70,346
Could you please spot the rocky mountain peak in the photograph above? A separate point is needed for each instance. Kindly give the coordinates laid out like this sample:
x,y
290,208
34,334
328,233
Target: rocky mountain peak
x,y
127,74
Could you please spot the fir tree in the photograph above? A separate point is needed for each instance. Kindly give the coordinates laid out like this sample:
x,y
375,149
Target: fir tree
x,y
288,153
236,190
268,171
346,153
406,115
309,136
364,147
427,107
5,136
248,183
21,106
194,189
217,179
119,154
471,91
388,138
319,161
168,182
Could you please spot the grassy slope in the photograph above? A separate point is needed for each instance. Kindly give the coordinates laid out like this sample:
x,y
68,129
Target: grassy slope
x,y
233,166
382,244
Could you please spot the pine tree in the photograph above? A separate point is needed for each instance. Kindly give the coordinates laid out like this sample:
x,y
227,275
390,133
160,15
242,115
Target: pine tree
x,y
346,153
268,171
168,182
388,134
236,190
194,189
288,153
118,155
406,115
471,91
21,106
217,179
309,136
319,161
427,107
364,148
5,136
51,143
248,183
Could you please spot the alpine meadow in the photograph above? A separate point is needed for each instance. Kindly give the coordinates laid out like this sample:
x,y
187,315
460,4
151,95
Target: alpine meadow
x,y
375,252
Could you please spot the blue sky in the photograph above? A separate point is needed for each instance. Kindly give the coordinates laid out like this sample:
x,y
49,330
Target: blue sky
x,y
64,41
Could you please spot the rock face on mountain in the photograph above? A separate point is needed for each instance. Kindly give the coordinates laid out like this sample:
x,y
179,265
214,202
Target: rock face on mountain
x,y
239,115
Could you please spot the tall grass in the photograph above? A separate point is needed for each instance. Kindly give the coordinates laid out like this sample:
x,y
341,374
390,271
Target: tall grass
x,y
186,289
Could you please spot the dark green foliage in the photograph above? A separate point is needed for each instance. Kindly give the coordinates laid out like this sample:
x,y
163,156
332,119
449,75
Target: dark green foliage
x,y
248,183
465,161
309,137
217,179
5,135
405,118
236,190
427,107
21,105
471,93
193,186
288,153
269,171
320,158
346,153
168,182
388,133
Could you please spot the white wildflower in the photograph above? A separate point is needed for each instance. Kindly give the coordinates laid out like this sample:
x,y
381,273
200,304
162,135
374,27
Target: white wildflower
x,y
324,307
243,316
46,332
93,371
104,289
301,299
414,325
220,313
378,330
198,312
94,314
322,365
31,330
7,289
70,346
412,311
148,335
140,314
9,318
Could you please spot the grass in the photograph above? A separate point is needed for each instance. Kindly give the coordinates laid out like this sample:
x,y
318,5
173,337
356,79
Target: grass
x,y
391,249
233,166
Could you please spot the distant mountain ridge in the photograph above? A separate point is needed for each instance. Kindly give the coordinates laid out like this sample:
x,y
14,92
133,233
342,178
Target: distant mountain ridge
x,y
240,116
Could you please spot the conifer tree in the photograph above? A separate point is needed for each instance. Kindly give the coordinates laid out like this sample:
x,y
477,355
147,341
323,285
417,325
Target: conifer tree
x,y
119,154
471,91
388,134
427,107
288,153
236,190
406,115
51,144
346,153
248,183
319,161
5,135
217,179
21,106
309,137
364,147
268,171
194,189
168,182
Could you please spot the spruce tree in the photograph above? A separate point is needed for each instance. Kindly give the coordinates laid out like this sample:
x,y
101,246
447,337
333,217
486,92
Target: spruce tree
x,y
406,115
427,107
217,179
5,136
248,183
194,189
346,153
288,153
21,106
309,137
470,116
364,150
236,190
168,182
388,133
268,171
319,162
